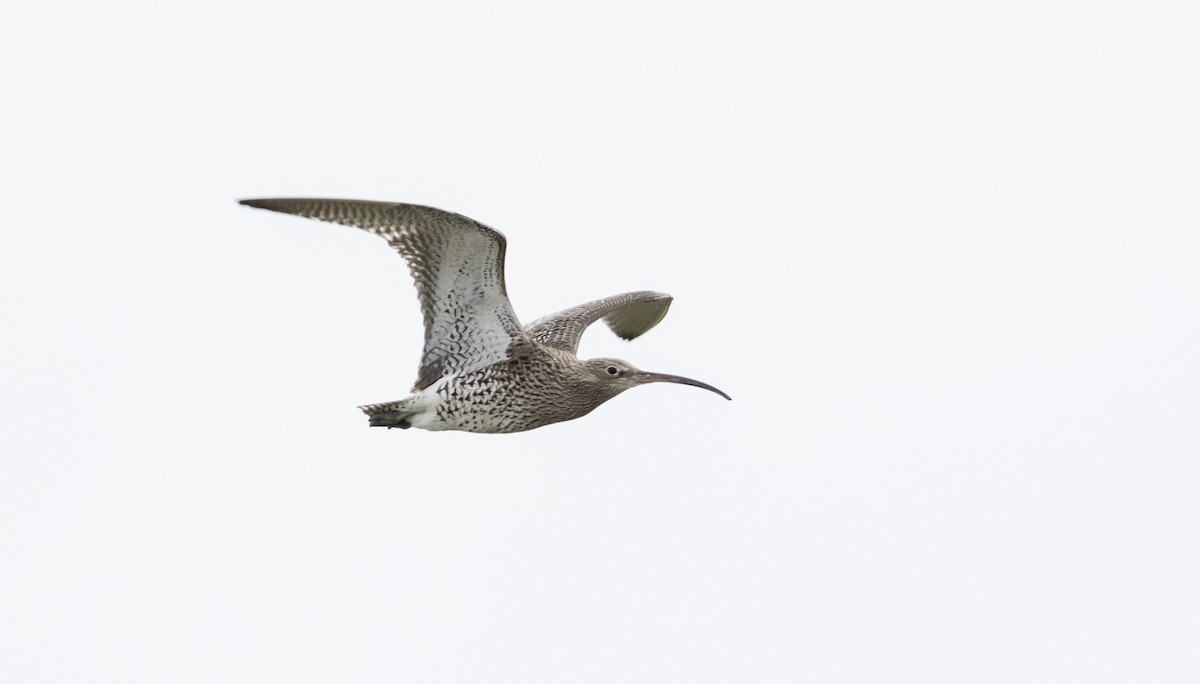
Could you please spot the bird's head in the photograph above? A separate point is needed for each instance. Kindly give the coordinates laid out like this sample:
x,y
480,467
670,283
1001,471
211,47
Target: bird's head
x,y
616,376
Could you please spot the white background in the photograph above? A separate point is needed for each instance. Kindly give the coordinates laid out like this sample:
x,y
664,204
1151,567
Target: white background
x,y
943,256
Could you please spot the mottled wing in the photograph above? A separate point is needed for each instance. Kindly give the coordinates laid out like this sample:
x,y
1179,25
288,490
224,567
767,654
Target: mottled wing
x,y
628,315
458,267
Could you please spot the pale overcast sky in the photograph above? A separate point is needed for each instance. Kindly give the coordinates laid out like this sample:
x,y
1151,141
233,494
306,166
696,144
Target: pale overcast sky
x,y
942,255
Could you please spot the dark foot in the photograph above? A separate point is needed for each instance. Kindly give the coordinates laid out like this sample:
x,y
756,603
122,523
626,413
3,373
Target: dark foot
x,y
390,421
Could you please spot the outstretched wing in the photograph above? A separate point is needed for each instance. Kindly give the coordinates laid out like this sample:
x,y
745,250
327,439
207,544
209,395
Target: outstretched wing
x,y
629,315
458,266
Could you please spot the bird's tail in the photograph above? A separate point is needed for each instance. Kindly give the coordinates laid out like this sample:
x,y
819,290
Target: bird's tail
x,y
392,414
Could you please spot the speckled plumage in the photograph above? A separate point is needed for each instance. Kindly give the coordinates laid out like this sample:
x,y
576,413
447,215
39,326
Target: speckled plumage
x,y
481,370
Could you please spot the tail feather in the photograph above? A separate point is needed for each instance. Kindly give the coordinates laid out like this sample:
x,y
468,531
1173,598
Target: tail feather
x,y
392,414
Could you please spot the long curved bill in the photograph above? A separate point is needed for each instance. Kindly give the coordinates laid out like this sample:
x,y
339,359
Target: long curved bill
x,y
646,377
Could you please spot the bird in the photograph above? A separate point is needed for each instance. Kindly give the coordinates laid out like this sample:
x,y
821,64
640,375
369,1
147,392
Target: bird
x,y
481,370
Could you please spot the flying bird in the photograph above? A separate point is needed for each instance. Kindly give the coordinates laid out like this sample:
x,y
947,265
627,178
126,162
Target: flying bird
x,y
481,370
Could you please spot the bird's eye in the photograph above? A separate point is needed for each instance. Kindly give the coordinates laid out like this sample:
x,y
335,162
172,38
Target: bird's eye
x,y
612,370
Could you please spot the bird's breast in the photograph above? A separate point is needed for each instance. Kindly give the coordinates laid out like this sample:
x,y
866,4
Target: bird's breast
x,y
510,396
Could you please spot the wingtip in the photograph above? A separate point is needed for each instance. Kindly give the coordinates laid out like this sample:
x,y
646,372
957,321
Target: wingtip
x,y
257,203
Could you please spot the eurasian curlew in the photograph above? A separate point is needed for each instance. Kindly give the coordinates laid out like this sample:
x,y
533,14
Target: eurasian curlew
x,y
481,370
